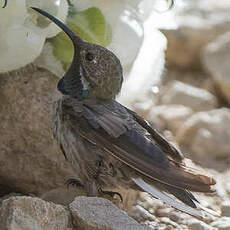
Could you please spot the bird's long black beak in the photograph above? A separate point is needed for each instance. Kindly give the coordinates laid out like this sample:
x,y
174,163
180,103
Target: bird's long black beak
x,y
70,84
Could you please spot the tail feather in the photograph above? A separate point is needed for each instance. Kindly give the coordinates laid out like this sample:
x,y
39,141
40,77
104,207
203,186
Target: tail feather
x,y
181,194
195,209
190,179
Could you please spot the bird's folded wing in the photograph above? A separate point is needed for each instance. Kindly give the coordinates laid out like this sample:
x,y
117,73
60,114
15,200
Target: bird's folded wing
x,y
136,148
168,148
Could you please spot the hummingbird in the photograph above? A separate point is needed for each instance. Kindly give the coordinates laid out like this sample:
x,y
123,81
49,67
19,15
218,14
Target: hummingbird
x,y
111,146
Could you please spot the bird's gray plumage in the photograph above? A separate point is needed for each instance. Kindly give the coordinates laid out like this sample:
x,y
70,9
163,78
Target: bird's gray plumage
x,y
109,145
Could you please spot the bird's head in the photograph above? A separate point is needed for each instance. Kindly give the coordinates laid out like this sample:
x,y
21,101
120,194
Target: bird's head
x,y
95,72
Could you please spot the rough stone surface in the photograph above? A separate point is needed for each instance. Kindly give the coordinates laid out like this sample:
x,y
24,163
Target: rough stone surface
x,y
205,133
100,214
169,117
198,99
198,23
27,213
216,61
30,159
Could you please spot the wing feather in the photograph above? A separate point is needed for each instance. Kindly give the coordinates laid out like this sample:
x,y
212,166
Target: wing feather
x,y
157,168
128,138
161,141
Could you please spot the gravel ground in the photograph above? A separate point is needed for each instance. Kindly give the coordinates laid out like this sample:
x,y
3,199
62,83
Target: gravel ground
x,y
157,215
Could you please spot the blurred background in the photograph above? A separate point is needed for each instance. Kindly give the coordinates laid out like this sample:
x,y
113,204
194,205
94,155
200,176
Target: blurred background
x,y
176,75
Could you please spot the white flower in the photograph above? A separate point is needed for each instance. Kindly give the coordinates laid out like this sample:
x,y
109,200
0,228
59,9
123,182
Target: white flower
x,y
22,37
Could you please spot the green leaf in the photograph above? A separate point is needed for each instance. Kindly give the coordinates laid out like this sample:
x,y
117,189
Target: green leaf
x,y
90,25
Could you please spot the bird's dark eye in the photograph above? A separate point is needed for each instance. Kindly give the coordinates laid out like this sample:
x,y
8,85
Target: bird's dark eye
x,y
89,56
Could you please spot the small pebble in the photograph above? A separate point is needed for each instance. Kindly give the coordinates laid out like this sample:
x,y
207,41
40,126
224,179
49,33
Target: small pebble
x,y
225,208
140,214
167,221
195,224
222,223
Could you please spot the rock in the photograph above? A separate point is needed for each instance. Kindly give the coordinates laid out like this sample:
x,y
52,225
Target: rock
x,y
195,224
177,92
164,212
153,224
198,78
100,214
222,223
169,117
30,159
140,214
148,201
197,24
2,198
215,59
26,213
169,222
225,208
205,133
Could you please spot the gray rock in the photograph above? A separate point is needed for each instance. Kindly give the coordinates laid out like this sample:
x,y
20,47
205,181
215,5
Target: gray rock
x,y
30,159
26,213
164,212
100,214
205,134
225,208
195,224
216,61
222,223
169,117
198,99
153,224
198,23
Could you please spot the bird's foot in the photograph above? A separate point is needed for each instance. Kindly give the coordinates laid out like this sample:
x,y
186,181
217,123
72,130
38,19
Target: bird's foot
x,y
73,182
112,194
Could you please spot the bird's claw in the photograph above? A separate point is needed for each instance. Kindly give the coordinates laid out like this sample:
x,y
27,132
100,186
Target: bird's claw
x,y
112,194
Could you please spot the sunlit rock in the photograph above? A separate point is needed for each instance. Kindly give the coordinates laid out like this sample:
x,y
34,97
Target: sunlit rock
x,y
198,99
169,117
205,134
216,61
197,23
